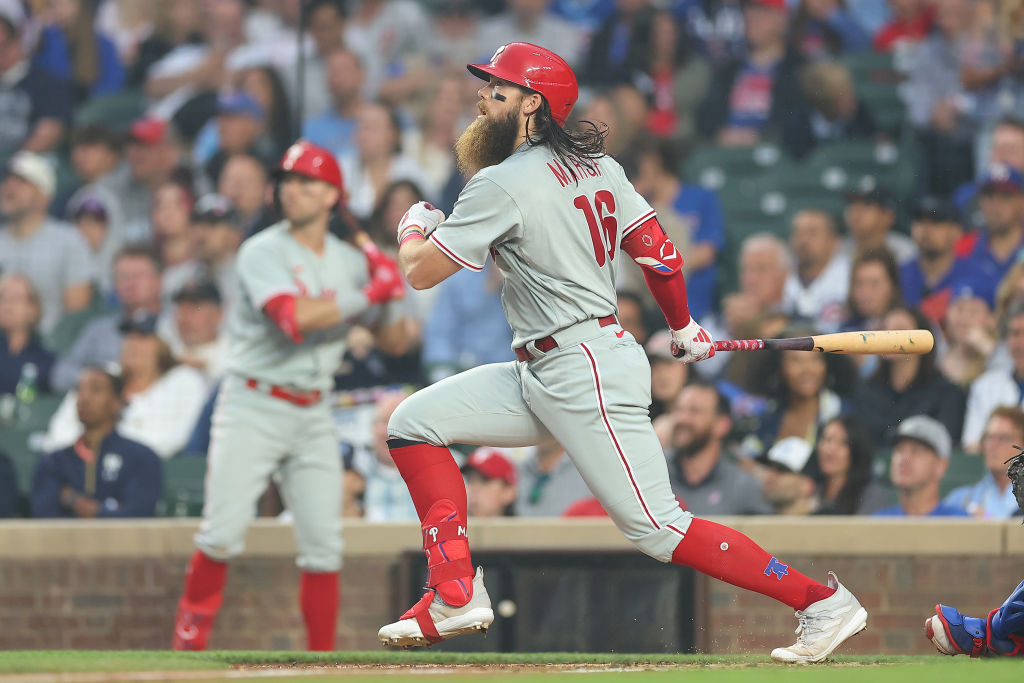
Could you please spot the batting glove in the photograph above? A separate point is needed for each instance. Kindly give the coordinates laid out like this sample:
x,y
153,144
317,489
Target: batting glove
x,y
385,278
419,221
692,343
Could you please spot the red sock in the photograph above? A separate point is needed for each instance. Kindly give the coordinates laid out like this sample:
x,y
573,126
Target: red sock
x,y
431,474
200,602
319,596
729,556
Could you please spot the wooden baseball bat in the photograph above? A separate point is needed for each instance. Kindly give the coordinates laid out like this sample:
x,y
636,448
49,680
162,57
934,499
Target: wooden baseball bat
x,y
880,341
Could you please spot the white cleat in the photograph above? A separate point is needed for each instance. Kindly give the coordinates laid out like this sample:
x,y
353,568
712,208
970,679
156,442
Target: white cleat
x,y
936,632
824,626
475,616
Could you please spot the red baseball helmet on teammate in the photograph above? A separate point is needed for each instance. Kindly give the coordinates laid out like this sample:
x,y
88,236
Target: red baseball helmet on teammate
x,y
312,161
536,68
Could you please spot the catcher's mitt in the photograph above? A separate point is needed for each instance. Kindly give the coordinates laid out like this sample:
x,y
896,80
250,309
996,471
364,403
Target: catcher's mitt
x,y
1016,474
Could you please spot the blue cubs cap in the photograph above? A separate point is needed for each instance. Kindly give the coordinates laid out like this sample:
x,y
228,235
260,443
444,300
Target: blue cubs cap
x,y
1002,178
240,104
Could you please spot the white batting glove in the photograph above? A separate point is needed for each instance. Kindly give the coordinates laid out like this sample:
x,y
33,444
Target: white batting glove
x,y
421,218
692,343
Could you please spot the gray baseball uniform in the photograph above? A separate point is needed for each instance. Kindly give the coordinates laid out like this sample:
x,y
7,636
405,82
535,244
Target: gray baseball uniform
x,y
256,430
557,243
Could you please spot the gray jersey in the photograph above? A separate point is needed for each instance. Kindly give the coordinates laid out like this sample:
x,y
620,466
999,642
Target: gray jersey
x,y
272,263
555,240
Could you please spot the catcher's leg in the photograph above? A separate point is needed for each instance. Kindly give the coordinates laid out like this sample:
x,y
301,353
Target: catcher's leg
x,y
481,406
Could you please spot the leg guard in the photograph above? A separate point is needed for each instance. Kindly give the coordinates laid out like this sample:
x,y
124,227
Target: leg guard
x,y
1005,626
446,543
200,602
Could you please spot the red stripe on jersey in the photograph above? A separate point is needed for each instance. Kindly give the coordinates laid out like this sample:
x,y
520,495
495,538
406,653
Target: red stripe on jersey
x,y
615,441
455,257
638,222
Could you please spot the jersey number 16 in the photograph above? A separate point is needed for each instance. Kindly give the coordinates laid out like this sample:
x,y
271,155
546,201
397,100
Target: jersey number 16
x,y
601,218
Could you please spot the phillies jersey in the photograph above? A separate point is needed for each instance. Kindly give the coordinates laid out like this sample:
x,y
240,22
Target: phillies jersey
x,y
272,263
555,239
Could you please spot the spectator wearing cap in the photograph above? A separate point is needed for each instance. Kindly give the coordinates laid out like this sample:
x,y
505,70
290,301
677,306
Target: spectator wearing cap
x,y
154,154
20,344
49,252
102,473
1006,146
490,483
817,287
244,182
241,128
927,281
870,216
970,331
699,469
197,317
72,49
548,481
757,97
164,398
920,457
386,497
905,384
998,386
91,216
783,484
335,127
219,235
992,496
137,289
35,106
466,301
1001,200
668,375
910,23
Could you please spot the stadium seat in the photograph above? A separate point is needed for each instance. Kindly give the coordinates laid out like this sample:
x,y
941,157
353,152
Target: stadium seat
x,y
716,167
877,82
116,111
183,487
16,439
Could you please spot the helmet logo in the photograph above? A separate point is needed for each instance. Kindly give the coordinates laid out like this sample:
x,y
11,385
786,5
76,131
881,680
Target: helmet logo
x,y
498,52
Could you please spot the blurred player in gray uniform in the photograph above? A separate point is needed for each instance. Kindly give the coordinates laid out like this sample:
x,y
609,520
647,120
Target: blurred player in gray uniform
x,y
299,289
555,213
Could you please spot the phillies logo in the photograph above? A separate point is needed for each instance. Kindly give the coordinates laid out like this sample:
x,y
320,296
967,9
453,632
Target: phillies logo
x,y
777,568
432,531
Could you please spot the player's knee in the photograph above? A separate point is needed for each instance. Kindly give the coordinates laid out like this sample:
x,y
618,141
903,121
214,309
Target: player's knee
x,y
218,548
411,422
326,558
657,544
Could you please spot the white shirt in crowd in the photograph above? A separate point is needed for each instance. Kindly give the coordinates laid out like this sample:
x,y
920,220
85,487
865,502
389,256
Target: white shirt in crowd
x,y
823,299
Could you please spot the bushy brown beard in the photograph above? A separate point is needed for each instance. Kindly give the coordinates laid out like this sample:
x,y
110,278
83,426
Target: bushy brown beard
x,y
486,142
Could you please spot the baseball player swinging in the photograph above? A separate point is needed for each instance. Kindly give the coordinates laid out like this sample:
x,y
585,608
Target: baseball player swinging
x,y
299,287
555,213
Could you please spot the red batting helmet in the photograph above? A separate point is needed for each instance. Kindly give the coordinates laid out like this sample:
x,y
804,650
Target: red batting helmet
x,y
536,68
312,161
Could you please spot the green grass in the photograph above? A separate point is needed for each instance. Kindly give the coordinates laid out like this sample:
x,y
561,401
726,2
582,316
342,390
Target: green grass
x,y
688,668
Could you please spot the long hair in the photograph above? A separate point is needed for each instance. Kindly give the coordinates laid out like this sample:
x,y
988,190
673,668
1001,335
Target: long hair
x,y
862,452
583,145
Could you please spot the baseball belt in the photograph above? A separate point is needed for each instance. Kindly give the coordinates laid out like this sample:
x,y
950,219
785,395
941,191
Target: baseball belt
x,y
546,344
299,398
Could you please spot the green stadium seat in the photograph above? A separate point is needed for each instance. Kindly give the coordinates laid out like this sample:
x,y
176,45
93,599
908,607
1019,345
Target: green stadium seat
x,y
963,469
16,439
116,112
183,487
71,325
716,167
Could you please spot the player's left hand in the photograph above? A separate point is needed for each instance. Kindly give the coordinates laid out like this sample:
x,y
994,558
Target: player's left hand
x,y
421,218
385,277
692,343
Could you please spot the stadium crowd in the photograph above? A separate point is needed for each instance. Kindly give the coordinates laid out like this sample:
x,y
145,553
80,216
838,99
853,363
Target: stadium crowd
x,y
140,137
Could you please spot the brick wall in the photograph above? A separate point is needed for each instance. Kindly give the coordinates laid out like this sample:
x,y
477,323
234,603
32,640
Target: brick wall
x,y
115,585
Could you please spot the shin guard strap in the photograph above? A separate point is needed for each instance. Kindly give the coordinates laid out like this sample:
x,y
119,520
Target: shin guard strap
x,y
449,571
421,613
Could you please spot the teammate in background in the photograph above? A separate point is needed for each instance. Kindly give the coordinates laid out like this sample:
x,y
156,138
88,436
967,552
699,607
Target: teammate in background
x,y
554,212
299,290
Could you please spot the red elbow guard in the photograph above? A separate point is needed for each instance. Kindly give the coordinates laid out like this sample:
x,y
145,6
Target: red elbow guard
x,y
652,250
281,310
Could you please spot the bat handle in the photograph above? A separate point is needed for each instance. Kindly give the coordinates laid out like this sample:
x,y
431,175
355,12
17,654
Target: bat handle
x,y
739,345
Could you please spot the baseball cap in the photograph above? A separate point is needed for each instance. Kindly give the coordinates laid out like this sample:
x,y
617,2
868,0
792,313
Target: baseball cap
x,y
240,104
934,209
140,323
928,431
149,130
868,191
491,463
790,454
89,206
13,12
659,346
1002,178
197,291
215,208
34,168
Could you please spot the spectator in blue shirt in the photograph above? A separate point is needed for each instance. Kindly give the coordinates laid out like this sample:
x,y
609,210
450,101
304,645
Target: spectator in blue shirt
x,y
467,326
992,497
71,49
690,215
927,281
335,127
827,28
20,345
920,457
102,474
1001,199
